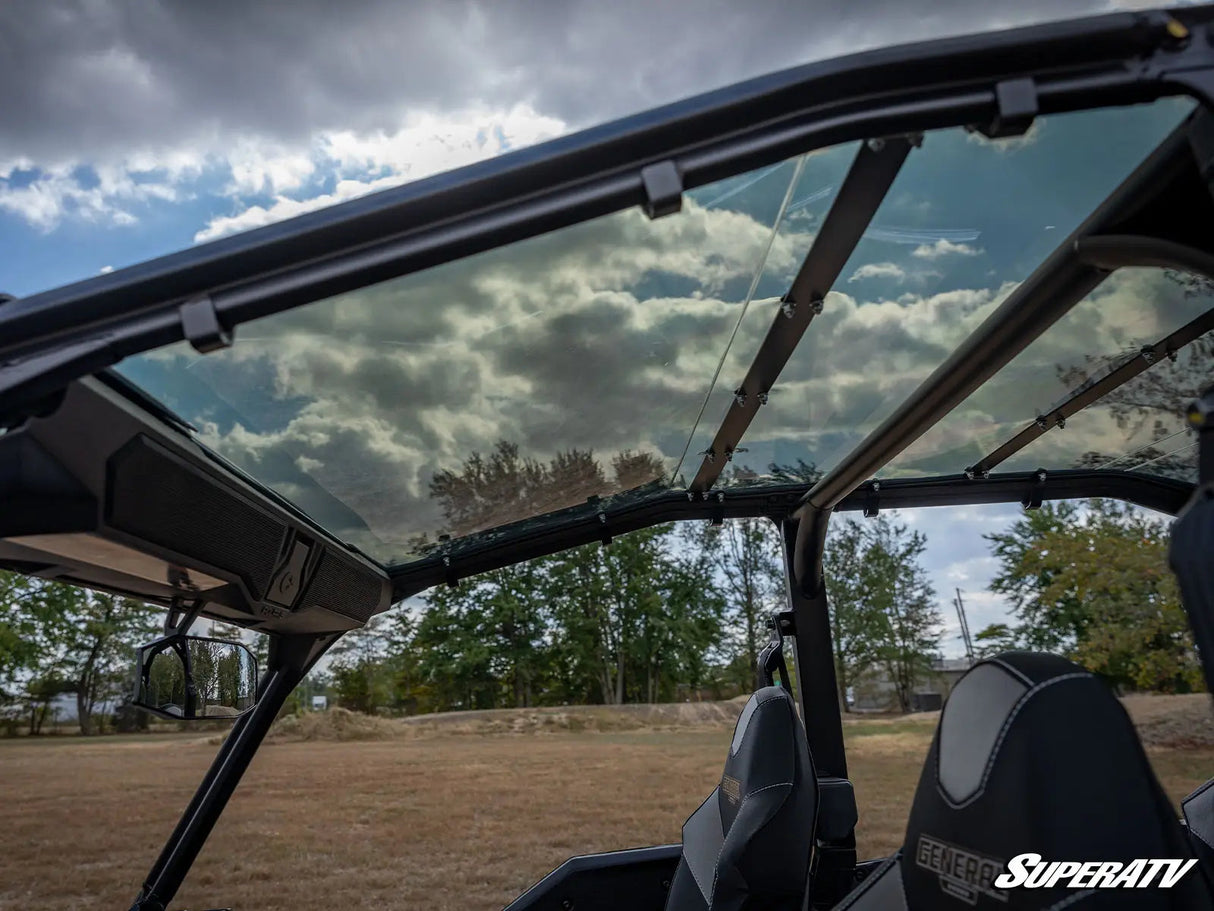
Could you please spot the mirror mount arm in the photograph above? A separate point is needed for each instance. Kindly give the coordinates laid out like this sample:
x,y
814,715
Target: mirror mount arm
x,y
291,657
181,617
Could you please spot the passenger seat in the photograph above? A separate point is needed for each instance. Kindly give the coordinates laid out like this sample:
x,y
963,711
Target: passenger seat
x,y
1032,754
750,844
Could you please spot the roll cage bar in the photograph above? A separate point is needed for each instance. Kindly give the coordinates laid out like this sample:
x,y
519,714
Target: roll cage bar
x,y
996,83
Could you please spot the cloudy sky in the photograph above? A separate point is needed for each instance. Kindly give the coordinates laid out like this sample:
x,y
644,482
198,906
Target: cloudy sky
x,y
135,129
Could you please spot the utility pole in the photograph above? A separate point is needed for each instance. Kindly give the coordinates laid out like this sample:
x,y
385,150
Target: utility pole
x,y
965,627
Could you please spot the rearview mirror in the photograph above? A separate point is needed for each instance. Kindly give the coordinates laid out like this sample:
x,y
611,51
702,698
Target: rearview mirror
x,y
189,677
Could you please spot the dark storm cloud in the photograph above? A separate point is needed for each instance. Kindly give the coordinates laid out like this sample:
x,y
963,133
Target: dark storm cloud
x,y
100,79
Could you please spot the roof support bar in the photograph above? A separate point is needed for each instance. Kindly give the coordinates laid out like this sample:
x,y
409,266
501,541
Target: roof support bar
x,y
869,179
587,524
1050,292
1094,390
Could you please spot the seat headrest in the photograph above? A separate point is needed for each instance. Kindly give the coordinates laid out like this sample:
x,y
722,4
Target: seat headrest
x,y
768,750
1033,754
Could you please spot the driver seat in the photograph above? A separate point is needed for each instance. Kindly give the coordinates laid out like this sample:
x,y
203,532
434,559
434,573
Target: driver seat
x,y
1032,754
749,845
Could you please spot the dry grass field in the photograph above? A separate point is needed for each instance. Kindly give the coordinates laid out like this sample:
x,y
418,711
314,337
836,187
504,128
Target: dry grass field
x,y
448,813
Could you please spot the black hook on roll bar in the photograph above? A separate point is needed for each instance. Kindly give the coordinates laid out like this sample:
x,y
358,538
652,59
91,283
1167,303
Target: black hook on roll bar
x,y
771,658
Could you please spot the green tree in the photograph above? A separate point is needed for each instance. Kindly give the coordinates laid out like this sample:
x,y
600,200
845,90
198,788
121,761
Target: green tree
x,y
855,619
1095,585
18,651
883,609
748,557
361,679
87,639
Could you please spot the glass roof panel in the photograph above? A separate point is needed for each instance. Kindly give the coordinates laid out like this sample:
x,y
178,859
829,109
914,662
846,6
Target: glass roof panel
x,y
495,388
966,219
577,364
1139,426
811,198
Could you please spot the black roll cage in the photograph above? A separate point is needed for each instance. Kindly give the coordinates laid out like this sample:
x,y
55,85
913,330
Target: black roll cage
x,y
996,83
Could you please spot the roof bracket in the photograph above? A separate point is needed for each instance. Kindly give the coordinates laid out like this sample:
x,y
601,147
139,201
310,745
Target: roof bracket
x,y
1035,494
604,532
449,575
717,518
201,327
1017,103
872,500
663,189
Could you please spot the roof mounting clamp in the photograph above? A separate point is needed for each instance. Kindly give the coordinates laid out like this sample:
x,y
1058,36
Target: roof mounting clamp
x,y
449,575
604,531
201,327
1017,103
1033,498
663,189
872,502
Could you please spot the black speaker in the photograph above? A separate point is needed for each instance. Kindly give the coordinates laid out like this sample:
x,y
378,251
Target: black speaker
x,y
155,496
345,587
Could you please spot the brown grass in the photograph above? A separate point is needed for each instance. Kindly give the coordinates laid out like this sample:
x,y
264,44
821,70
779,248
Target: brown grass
x,y
440,816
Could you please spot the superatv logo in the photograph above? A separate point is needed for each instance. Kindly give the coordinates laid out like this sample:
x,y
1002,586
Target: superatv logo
x,y
1029,871
963,874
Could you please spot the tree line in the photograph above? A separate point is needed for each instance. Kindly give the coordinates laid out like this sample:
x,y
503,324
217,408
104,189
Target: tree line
x,y
667,613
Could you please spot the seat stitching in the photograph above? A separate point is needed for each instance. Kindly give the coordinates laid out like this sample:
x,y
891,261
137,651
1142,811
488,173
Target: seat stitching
x,y
1003,732
699,884
778,784
716,867
1010,669
1072,900
872,878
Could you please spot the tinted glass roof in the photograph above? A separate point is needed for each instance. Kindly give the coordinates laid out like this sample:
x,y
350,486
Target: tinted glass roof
x,y
601,358
964,222
1139,426
600,339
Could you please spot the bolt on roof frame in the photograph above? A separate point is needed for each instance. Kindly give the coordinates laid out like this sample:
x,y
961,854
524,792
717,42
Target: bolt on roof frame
x,y
872,173
203,293
1166,198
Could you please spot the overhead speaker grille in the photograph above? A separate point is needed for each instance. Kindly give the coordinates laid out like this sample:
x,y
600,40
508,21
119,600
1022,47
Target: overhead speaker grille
x,y
345,587
158,498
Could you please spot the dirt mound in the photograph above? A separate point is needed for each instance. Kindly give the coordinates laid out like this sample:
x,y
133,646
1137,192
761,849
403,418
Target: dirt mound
x,y
333,724
1172,721
579,718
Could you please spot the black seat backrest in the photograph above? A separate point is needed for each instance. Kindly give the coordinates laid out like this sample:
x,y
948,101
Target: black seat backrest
x,y
1032,754
749,845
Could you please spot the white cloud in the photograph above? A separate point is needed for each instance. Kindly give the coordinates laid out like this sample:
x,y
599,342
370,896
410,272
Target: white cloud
x,y
944,247
878,270
102,193
364,163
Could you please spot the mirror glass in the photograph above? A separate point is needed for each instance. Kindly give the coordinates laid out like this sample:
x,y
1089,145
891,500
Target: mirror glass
x,y
190,677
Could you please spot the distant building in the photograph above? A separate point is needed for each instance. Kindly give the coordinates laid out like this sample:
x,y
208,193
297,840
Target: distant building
x,y
875,692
